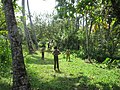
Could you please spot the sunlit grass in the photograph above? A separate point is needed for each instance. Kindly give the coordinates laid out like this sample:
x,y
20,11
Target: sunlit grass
x,y
74,75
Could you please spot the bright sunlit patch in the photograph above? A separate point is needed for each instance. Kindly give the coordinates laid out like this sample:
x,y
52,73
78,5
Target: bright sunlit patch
x,y
40,6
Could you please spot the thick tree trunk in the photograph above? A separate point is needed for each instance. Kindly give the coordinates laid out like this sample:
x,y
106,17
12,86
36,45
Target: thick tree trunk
x,y
20,80
33,32
27,33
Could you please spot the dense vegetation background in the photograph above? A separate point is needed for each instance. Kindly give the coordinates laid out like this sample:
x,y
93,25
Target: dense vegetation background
x,y
89,28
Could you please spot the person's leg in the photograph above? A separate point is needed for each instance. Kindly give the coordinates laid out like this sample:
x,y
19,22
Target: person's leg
x,y
43,55
69,57
55,63
66,57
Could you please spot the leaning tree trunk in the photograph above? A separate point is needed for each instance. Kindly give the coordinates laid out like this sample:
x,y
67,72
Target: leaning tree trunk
x,y
33,32
27,33
20,80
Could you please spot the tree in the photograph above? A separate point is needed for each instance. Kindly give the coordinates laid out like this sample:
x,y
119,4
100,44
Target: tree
x,y
20,79
27,33
31,24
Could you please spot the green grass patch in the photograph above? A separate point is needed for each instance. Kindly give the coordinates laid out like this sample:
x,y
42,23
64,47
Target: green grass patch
x,y
74,75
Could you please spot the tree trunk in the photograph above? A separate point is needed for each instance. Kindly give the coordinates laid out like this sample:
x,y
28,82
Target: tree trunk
x,y
87,40
20,80
83,22
33,32
27,33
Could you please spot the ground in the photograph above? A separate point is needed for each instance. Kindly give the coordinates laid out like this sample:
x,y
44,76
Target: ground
x,y
74,75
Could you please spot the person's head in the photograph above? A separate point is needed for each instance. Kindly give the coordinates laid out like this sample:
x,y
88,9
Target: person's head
x,y
67,48
55,47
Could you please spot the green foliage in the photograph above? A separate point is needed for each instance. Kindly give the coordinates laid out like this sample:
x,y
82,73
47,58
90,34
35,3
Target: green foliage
x,y
112,63
5,62
103,29
5,59
4,48
2,17
116,63
107,61
66,9
103,35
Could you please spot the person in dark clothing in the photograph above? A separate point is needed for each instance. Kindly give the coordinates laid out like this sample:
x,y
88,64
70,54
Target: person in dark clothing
x,y
56,52
43,50
48,45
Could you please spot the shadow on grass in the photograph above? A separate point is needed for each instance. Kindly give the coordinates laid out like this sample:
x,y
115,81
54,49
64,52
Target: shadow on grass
x,y
36,59
58,83
69,83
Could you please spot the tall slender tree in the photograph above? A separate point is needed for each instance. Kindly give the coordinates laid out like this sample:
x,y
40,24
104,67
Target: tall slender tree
x,y
20,79
27,33
31,24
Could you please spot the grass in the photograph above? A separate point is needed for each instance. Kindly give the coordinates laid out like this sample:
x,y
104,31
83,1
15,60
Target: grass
x,y
74,75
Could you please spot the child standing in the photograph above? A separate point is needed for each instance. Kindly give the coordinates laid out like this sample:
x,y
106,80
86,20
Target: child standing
x,y
56,52
68,55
